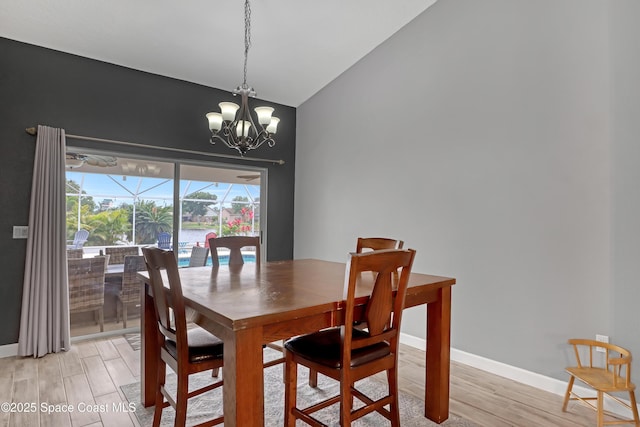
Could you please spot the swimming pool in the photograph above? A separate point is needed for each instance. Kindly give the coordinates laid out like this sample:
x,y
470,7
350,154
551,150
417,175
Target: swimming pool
x,y
224,260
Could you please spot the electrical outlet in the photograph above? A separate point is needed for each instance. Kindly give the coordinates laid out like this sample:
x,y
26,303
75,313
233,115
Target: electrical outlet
x,y
602,338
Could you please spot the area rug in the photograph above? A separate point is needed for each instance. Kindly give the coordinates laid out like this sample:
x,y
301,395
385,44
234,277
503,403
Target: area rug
x,y
209,405
133,340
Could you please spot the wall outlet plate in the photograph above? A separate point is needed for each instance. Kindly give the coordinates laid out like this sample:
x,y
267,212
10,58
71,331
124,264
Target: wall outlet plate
x,y
20,231
602,338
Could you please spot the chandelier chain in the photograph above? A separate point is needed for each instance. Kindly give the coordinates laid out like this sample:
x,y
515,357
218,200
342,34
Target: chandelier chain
x,y
234,124
247,37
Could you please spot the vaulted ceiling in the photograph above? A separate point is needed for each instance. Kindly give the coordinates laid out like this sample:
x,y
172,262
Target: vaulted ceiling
x,y
298,46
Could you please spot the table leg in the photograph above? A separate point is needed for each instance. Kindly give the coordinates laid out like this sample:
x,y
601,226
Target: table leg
x,y
243,379
438,357
149,350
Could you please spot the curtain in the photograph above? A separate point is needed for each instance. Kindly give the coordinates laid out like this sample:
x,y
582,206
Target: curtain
x,y
44,321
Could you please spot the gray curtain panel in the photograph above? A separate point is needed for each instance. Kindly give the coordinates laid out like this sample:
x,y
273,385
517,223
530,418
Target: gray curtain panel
x,y
44,321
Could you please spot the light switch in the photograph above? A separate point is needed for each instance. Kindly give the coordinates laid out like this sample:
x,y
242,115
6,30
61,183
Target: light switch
x,y
20,231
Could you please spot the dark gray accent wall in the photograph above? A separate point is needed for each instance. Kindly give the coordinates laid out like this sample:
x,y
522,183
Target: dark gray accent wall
x,y
93,98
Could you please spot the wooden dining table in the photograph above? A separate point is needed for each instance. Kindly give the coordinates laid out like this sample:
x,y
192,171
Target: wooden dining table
x,y
248,306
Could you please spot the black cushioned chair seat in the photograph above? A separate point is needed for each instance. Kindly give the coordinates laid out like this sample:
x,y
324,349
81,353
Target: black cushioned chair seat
x,y
324,348
202,346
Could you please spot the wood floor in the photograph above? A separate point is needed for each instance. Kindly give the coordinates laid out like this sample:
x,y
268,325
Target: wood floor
x,y
93,371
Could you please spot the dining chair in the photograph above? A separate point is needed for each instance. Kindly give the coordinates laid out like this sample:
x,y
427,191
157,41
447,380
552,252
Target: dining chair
x,y
198,256
609,373
234,244
186,350
377,243
118,253
131,290
348,354
86,286
365,244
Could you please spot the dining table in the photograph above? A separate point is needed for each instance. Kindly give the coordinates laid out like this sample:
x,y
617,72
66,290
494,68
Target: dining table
x,y
248,306
114,270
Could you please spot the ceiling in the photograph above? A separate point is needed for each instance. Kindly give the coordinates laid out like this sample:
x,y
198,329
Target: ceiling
x,y
298,46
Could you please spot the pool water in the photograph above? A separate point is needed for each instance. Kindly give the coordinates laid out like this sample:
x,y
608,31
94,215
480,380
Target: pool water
x,y
224,260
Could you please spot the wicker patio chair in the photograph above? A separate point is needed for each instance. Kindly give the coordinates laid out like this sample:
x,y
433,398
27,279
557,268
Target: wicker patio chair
x,y
131,285
75,253
118,253
86,286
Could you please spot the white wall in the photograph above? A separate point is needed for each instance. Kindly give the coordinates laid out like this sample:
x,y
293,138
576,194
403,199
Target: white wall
x,y
478,134
625,60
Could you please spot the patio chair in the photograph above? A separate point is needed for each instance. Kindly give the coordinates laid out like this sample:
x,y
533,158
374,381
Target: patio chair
x,y
118,253
75,253
86,286
79,239
210,235
164,240
198,256
131,286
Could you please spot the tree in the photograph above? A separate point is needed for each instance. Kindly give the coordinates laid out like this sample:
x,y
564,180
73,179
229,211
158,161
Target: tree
x,y
72,201
198,208
151,220
108,227
236,208
87,207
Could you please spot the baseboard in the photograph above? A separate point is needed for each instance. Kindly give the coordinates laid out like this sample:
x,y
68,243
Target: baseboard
x,y
514,373
8,350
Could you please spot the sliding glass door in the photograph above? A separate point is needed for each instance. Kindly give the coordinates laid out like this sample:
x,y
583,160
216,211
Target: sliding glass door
x,y
127,202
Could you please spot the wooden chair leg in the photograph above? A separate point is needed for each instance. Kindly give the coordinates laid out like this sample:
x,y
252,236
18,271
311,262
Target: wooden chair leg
x,y
124,315
101,318
157,413
182,390
392,377
346,402
568,393
313,378
215,372
600,409
290,391
634,407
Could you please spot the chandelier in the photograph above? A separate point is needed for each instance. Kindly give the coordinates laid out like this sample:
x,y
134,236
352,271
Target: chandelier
x,y
239,130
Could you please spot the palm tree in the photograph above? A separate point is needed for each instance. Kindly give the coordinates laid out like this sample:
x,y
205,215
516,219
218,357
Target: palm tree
x,y
151,220
107,227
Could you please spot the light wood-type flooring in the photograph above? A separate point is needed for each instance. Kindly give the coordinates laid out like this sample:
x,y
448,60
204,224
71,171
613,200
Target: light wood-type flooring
x,y
93,371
